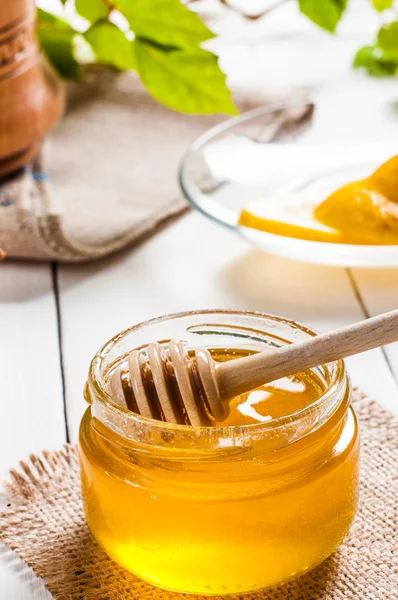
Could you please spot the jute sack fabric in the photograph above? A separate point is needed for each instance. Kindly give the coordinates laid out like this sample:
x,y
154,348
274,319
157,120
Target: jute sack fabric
x,y
44,524
108,174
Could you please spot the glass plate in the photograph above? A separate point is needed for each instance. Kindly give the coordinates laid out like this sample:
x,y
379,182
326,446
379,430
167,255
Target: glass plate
x,y
235,163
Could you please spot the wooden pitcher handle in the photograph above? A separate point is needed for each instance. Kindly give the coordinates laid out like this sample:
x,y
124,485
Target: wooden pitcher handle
x,y
245,374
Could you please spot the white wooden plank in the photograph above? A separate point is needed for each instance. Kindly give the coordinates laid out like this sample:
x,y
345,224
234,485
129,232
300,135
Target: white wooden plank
x,y
17,581
378,290
31,409
168,274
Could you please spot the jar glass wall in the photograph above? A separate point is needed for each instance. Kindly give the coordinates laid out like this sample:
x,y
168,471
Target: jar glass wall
x,y
220,509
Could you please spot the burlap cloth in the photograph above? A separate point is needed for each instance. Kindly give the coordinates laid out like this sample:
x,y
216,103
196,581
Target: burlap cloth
x,y
108,174
44,524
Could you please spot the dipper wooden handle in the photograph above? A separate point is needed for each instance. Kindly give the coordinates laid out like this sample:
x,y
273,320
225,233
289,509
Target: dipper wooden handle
x,y
176,387
245,374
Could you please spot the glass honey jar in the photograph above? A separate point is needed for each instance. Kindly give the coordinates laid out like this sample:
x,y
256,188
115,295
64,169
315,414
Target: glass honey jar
x,y
228,508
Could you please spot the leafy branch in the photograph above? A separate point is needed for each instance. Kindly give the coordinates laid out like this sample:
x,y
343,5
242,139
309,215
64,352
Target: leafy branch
x,y
160,39
379,59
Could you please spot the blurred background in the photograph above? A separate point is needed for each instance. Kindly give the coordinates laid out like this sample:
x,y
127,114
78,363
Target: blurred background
x,y
283,45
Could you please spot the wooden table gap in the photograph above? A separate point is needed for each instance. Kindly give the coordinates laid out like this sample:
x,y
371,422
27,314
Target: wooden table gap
x,y
55,285
367,314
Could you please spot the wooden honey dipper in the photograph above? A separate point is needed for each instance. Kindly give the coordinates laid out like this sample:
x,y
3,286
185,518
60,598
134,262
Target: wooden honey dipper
x,y
181,385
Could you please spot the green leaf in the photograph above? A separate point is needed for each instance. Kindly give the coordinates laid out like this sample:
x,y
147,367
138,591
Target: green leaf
x,y
369,58
47,20
111,46
325,13
387,41
56,37
167,22
187,81
381,5
92,10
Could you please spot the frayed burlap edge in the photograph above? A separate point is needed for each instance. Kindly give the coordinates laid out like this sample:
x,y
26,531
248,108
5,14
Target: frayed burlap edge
x,y
44,524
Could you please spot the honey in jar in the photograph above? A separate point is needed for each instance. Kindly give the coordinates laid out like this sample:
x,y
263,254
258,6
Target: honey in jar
x,y
235,506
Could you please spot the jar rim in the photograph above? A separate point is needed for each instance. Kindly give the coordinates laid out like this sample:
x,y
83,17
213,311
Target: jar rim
x,y
120,418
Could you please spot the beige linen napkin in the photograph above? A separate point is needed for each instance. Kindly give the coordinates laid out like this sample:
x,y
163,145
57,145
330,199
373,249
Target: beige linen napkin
x,y
108,174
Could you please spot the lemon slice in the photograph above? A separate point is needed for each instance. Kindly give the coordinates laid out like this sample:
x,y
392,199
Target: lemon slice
x,y
290,217
385,179
361,212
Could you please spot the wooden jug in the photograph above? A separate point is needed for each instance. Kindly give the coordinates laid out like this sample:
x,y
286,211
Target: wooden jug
x,y
31,95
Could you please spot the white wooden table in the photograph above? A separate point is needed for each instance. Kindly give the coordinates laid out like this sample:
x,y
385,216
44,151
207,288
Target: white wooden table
x,y
53,318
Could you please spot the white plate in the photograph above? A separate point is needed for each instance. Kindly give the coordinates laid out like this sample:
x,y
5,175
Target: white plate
x,y
227,168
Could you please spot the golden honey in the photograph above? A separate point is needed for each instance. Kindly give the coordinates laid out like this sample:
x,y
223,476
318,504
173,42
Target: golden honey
x,y
239,506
